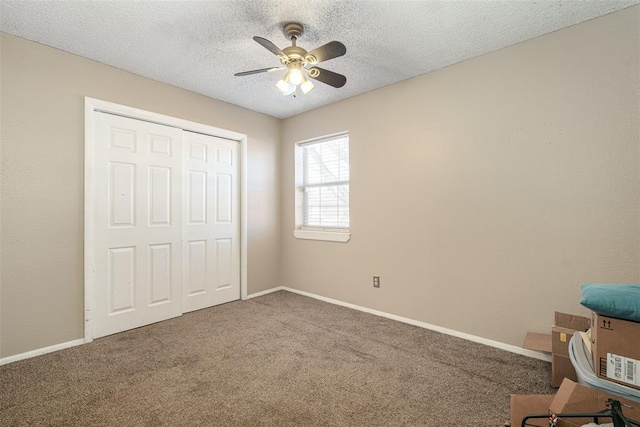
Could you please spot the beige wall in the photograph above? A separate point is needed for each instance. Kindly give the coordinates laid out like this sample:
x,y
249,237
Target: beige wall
x,y
485,193
42,183
482,194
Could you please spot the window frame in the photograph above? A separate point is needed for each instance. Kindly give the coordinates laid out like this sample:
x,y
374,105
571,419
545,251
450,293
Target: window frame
x,y
302,231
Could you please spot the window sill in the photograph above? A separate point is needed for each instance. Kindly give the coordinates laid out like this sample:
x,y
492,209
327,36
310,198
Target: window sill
x,y
327,236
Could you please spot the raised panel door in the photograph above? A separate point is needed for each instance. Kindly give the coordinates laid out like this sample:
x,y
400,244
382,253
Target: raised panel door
x,y
138,223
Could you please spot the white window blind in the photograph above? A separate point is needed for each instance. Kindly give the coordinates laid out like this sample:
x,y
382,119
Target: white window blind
x,y
325,183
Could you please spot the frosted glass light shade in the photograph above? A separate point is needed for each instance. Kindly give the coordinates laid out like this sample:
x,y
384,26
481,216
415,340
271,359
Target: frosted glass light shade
x,y
283,86
295,76
306,86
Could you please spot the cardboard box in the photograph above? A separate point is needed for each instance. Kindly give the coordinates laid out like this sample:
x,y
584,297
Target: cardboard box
x,y
530,404
537,342
561,368
575,398
565,326
616,350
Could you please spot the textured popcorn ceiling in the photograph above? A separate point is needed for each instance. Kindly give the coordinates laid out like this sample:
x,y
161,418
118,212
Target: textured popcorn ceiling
x,y
199,45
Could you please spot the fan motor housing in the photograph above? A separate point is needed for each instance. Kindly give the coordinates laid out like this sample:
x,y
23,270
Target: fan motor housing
x,y
295,52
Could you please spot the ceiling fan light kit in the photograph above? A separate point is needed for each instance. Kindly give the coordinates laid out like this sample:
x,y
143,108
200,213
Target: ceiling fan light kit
x,y
299,62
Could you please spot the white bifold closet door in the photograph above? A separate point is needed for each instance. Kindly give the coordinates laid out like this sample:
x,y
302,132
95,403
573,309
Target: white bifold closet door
x,y
166,223
138,223
212,229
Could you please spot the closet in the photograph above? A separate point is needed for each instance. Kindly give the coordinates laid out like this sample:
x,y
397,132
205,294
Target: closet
x,y
165,235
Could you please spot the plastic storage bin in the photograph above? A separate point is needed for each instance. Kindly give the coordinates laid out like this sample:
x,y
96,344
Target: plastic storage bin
x,y
583,364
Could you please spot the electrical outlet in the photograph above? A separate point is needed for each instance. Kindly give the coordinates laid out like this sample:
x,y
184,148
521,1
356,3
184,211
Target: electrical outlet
x,y
376,281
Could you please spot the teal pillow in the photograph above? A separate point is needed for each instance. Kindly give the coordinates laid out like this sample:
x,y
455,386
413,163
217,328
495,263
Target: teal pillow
x,y
619,301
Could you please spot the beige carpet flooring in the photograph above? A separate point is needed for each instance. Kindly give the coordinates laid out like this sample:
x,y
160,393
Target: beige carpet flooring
x,y
278,360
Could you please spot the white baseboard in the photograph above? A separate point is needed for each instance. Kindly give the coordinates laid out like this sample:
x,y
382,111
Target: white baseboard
x,y
463,335
40,351
69,344
268,291
491,343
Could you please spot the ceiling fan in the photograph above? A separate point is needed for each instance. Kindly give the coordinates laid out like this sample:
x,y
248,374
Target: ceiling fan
x,y
299,62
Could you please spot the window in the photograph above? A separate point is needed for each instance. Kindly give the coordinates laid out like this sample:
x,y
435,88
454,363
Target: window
x,y
322,189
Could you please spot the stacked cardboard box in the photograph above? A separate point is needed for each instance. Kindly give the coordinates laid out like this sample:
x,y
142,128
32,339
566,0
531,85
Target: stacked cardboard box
x,y
615,346
576,398
571,398
562,331
530,404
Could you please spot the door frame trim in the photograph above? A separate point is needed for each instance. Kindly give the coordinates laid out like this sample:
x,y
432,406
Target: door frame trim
x,y
91,106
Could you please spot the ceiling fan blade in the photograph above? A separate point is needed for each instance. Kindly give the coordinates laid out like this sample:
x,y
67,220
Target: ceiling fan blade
x,y
270,46
329,77
326,52
261,70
